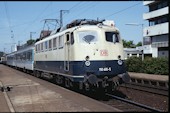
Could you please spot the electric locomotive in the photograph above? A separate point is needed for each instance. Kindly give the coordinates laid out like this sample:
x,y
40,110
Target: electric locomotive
x,y
85,52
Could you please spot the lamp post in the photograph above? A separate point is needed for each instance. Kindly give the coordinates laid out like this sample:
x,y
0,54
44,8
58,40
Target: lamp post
x,y
31,34
137,24
13,42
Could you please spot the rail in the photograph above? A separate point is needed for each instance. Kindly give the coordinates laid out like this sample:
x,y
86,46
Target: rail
x,y
135,103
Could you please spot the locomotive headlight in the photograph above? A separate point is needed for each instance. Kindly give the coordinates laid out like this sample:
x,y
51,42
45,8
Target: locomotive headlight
x,y
87,58
120,62
119,57
87,62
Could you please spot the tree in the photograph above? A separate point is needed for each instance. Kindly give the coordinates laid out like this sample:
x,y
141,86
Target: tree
x,y
128,44
31,41
1,54
139,44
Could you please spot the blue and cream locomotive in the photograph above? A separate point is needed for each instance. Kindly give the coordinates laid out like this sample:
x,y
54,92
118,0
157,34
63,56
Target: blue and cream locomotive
x,y
88,53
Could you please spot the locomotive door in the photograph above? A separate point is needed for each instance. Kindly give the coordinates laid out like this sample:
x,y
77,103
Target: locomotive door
x,y
67,52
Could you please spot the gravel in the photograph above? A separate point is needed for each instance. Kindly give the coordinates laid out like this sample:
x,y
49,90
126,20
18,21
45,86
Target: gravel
x,y
152,100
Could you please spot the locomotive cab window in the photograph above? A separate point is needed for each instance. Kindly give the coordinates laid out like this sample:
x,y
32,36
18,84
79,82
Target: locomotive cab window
x,y
87,36
112,37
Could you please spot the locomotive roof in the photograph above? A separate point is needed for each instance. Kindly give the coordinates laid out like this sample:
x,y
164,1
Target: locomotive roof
x,y
79,22
82,22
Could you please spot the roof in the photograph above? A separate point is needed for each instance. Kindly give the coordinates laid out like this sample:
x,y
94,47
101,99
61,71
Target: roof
x,y
44,33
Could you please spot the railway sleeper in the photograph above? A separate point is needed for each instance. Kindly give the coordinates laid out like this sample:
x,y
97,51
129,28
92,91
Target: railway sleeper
x,y
152,83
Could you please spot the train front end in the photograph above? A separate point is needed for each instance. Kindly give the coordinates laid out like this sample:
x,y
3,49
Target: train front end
x,y
100,57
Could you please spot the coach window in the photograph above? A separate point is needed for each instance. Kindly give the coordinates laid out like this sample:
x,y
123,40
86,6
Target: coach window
x,y
15,56
46,45
38,47
112,37
24,56
50,45
19,58
29,55
41,47
61,41
87,36
54,43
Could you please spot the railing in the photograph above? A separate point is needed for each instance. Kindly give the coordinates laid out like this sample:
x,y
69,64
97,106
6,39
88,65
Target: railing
x,y
160,44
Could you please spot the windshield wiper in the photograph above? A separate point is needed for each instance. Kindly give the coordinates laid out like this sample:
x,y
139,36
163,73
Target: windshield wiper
x,y
86,40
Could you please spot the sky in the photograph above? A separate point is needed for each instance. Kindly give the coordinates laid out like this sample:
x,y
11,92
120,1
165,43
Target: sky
x,y
19,19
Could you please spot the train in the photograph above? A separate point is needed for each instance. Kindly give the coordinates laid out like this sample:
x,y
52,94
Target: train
x,y
86,54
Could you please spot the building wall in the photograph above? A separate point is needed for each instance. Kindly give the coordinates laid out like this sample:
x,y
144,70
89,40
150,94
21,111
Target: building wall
x,y
160,38
156,34
129,52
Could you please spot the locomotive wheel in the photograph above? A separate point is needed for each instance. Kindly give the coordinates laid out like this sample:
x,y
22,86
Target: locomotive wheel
x,y
59,79
38,74
34,73
66,83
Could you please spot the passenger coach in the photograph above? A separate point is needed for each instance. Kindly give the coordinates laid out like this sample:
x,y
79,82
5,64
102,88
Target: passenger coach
x,y
22,58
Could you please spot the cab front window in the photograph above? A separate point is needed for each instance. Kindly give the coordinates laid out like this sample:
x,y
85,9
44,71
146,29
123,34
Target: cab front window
x,y
112,37
87,36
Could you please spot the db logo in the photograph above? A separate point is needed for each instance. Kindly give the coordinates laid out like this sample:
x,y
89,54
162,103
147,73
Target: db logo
x,y
103,53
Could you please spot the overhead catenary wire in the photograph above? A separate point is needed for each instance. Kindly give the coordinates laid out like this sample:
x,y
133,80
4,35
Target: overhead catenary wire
x,y
30,22
40,15
83,11
36,18
121,10
75,5
8,17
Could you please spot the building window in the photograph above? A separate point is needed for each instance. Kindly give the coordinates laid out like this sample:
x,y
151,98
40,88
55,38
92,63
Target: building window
x,y
146,40
158,20
158,5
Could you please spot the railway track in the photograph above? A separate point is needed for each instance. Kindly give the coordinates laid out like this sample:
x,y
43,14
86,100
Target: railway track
x,y
136,98
127,105
147,88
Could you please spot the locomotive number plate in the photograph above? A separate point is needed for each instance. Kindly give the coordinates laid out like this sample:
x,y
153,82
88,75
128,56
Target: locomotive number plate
x,y
105,69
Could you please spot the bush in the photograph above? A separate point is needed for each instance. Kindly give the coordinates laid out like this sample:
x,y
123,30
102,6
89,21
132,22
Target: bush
x,y
149,65
134,64
156,66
